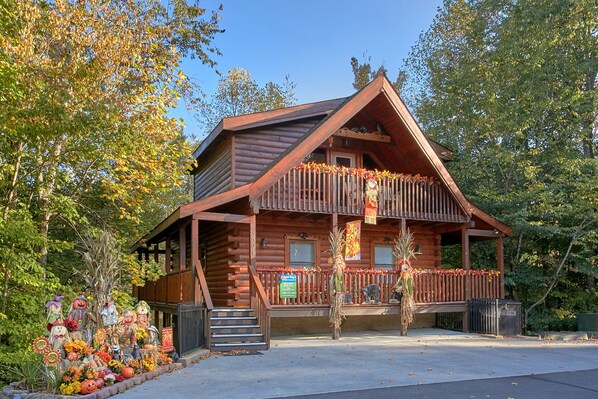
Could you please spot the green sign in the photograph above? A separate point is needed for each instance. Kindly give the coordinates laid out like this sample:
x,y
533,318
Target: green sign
x,y
288,285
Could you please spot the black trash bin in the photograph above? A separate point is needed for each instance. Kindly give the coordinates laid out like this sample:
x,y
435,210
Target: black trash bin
x,y
495,316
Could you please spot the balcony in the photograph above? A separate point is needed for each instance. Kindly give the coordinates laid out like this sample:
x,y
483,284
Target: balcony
x,y
319,188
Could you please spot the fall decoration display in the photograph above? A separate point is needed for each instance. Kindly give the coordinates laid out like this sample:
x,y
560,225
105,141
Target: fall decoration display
x,y
127,372
88,386
404,251
51,358
41,345
337,243
371,201
363,173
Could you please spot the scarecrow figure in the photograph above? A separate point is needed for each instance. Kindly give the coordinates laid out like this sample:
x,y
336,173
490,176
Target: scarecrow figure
x,y
54,308
59,335
143,318
80,314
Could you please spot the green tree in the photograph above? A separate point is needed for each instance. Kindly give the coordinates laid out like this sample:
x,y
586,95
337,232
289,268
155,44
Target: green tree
x,y
512,86
239,94
85,135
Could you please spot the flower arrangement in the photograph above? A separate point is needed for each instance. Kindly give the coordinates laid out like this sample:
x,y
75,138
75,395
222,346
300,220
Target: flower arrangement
x,y
148,364
115,366
136,364
164,359
71,325
88,373
70,388
72,374
141,336
77,346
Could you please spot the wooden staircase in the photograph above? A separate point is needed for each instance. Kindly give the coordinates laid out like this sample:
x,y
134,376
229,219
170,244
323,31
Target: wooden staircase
x,y
235,329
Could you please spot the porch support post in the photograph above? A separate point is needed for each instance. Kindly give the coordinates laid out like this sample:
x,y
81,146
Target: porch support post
x,y
157,252
167,252
334,221
252,240
182,248
466,265
403,226
500,265
195,258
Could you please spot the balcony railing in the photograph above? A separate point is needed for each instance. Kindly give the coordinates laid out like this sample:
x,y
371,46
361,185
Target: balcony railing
x,y
431,285
324,189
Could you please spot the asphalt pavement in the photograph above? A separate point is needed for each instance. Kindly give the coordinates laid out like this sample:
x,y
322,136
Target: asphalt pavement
x,y
429,363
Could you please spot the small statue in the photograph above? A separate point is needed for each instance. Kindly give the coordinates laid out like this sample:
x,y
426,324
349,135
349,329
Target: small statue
x,y
54,308
153,335
126,333
143,318
109,314
371,293
79,313
59,335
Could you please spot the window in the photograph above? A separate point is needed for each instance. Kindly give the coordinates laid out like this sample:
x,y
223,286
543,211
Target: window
x,y
302,253
383,257
318,156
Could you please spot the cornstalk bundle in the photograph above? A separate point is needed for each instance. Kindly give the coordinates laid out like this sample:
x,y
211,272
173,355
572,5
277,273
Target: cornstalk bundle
x,y
337,244
404,251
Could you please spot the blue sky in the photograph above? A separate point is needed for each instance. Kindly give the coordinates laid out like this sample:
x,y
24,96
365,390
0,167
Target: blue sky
x,y
311,41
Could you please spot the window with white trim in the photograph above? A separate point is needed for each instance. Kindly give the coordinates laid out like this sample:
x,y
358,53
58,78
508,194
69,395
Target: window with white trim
x,y
302,254
383,257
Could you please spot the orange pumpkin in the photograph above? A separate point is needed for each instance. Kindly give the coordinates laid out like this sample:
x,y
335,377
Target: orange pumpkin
x,y
72,356
127,372
88,386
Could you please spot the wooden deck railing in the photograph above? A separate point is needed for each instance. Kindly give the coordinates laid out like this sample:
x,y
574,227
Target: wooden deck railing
x,y
342,191
174,287
431,285
204,295
259,303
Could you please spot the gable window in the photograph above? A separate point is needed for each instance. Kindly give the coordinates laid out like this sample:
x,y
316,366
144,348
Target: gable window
x,y
383,257
301,253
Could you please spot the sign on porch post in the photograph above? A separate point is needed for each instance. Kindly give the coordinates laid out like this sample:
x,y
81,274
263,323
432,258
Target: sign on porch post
x,y
288,285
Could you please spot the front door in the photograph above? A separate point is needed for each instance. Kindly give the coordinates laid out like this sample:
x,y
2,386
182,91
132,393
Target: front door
x,y
345,187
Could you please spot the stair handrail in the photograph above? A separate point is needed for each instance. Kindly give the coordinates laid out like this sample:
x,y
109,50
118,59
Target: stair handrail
x,y
203,285
259,302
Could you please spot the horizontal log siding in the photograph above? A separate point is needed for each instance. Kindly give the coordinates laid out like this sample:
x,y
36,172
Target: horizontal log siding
x,y
214,172
255,149
275,229
218,273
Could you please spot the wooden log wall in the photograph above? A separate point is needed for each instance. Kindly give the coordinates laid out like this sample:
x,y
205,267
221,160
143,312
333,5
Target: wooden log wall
x,y
255,149
214,172
274,231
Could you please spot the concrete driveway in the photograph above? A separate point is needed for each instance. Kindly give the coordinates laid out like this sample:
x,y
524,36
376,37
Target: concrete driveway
x,y
367,360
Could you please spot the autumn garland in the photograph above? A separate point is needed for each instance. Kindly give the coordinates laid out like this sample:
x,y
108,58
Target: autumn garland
x,y
364,173
442,272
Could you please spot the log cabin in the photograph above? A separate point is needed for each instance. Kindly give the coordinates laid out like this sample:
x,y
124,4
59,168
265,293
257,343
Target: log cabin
x,y
268,189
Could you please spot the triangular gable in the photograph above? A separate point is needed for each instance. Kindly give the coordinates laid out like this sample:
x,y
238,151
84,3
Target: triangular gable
x,y
334,121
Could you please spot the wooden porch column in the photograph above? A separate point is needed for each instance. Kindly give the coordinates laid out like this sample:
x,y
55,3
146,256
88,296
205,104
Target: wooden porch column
x,y
167,251
182,248
403,226
195,258
252,240
157,252
466,265
500,265
334,221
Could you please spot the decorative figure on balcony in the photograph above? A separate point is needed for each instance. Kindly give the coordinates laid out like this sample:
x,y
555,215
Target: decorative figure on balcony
x,y
404,251
371,201
337,242
371,294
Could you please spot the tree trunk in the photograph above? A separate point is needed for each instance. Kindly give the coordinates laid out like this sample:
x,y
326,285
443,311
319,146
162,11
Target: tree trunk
x,y
46,190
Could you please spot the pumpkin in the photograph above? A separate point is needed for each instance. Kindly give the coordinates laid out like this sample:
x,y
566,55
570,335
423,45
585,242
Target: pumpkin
x,y
88,386
99,383
127,372
72,356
